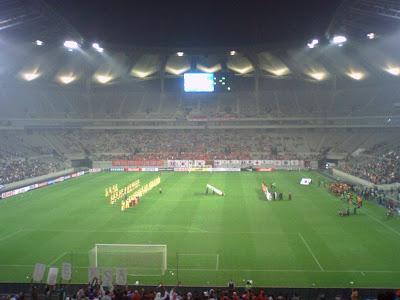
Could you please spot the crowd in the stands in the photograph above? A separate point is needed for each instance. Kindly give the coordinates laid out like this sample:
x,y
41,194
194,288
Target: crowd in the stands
x,y
190,144
96,292
16,170
382,169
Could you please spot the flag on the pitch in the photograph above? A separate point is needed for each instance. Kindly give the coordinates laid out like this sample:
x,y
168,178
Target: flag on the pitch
x,y
269,196
178,283
160,285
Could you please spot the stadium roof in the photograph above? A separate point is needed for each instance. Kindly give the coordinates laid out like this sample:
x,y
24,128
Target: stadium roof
x,y
51,62
357,18
34,19
374,59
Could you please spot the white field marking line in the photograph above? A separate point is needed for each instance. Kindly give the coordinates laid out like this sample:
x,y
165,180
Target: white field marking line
x,y
316,260
189,254
57,259
144,275
240,270
10,235
198,229
114,231
396,232
216,268
362,273
160,231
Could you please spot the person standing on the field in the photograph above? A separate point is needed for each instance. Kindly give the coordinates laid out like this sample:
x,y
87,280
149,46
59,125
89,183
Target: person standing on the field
x,y
160,190
231,285
275,195
206,190
280,196
290,196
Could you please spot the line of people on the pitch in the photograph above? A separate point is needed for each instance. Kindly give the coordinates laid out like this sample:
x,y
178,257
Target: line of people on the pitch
x,y
276,196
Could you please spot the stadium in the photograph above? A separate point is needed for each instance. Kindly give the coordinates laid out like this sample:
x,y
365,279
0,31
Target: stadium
x,y
133,167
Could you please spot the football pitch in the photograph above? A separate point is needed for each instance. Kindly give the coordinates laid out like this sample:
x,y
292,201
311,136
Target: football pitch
x,y
210,239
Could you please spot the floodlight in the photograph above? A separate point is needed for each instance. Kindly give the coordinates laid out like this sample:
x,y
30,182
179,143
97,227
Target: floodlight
x,y
66,79
179,53
103,79
229,88
30,76
371,35
339,39
39,42
71,44
356,76
97,47
233,52
394,71
318,76
313,43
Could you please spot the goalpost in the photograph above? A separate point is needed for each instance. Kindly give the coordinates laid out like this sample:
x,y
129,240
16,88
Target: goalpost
x,y
145,260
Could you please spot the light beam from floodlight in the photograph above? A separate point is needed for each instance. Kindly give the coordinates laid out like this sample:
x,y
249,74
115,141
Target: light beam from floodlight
x,y
339,39
318,76
103,79
66,79
356,76
394,71
30,76
71,44
280,72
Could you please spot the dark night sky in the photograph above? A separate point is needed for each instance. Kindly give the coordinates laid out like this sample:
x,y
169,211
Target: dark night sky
x,y
197,22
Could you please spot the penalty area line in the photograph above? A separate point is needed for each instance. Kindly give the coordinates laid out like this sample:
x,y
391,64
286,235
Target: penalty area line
x,y
57,259
10,235
316,260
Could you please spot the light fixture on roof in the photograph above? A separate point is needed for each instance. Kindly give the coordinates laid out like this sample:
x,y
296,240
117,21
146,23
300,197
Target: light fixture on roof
x,y
318,76
229,88
39,42
280,72
97,47
30,76
103,79
356,76
67,79
394,71
233,52
71,45
179,53
339,40
371,35
313,43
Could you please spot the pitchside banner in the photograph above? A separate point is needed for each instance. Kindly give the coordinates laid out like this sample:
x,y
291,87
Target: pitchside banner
x,y
38,272
138,163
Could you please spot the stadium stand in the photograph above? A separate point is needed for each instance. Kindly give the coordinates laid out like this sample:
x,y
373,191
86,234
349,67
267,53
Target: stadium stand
x,y
273,109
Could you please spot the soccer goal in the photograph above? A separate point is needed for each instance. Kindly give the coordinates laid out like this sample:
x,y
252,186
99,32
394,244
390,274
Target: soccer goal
x,y
145,260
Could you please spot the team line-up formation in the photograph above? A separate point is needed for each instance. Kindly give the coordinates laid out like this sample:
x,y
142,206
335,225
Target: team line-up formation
x,y
130,200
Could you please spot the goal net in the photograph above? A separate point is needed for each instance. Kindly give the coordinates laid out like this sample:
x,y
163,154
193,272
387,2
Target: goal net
x,y
146,260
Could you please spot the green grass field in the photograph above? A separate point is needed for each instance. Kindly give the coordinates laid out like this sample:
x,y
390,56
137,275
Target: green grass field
x,y
298,243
